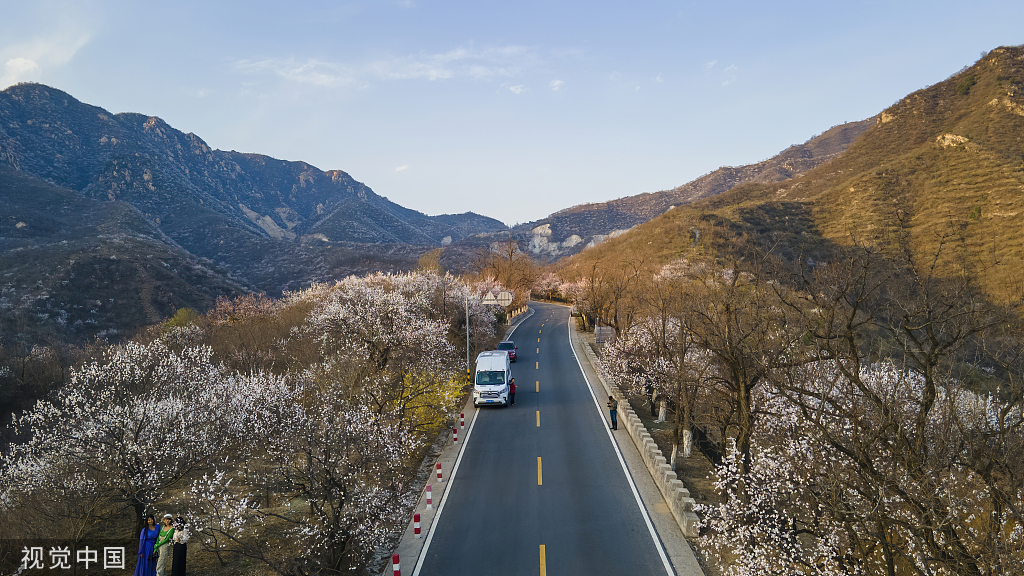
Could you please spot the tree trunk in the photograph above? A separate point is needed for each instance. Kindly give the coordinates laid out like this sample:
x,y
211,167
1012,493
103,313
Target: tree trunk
x,y
140,517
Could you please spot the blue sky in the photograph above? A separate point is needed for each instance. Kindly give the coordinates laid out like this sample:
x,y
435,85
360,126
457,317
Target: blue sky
x,y
510,109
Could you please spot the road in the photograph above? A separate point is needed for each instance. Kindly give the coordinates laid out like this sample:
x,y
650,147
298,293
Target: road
x,y
540,489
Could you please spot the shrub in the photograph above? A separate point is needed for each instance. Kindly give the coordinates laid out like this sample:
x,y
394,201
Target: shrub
x,y
965,85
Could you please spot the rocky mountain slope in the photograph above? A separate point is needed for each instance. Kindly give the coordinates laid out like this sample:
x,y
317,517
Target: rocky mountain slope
x,y
208,201
112,221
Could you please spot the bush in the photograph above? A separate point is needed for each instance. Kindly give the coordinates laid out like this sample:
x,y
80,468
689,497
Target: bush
x,y
965,85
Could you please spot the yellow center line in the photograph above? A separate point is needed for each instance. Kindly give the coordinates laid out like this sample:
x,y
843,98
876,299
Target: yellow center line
x,y
538,365
543,562
538,350
538,339
538,418
540,476
538,385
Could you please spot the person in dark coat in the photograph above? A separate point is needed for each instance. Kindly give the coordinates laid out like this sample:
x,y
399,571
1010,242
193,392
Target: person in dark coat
x,y
613,409
146,563
512,391
180,539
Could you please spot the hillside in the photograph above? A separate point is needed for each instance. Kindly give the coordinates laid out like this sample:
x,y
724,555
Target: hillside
x,y
80,268
568,231
947,158
245,212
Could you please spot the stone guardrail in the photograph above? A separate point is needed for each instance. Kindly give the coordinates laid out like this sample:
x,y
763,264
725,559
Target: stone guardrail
x,y
514,315
676,495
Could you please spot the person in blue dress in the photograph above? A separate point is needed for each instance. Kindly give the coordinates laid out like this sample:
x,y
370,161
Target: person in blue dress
x,y
146,564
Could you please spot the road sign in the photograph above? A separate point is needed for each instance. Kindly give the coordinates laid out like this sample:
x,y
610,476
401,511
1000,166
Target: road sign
x,y
489,299
504,298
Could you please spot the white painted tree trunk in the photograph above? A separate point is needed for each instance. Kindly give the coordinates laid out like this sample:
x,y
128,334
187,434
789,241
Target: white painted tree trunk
x,y
675,456
687,443
663,408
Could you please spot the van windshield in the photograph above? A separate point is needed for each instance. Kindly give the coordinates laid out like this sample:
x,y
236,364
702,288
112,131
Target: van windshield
x,y
490,378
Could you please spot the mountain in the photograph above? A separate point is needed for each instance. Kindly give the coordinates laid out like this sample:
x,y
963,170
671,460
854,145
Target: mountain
x,y
568,231
239,210
948,158
113,221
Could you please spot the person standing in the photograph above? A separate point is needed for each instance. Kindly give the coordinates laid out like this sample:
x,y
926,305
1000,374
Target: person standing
x,y
512,391
163,546
180,539
146,565
613,409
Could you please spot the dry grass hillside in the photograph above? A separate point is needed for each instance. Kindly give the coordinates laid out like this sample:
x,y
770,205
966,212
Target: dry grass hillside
x,y
947,158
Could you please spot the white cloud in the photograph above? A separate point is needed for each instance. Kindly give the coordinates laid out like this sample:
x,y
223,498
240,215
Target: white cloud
x,y
463,62
659,79
18,70
401,168
27,60
516,89
557,85
710,65
730,73
314,72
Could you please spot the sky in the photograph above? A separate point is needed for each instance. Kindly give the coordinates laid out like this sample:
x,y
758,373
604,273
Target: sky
x,y
513,110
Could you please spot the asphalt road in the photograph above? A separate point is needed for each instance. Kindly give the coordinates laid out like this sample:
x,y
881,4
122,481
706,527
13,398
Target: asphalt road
x,y
540,489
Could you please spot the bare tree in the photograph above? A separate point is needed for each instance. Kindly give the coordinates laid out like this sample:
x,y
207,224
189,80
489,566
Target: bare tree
x,y
511,267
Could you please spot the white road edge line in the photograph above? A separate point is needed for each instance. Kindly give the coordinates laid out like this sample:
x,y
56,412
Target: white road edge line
x,y
447,490
622,462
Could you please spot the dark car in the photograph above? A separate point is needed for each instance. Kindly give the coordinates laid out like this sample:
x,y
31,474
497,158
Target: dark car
x,y
510,347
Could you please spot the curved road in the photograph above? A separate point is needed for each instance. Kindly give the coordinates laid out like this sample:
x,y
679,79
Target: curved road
x,y
541,489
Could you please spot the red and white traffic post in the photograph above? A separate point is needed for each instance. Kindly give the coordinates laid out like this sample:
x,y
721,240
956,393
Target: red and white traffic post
x,y
416,525
455,435
462,420
430,500
395,564
439,479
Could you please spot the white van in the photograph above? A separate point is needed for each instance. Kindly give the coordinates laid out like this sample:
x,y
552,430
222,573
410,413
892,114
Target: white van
x,y
493,372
